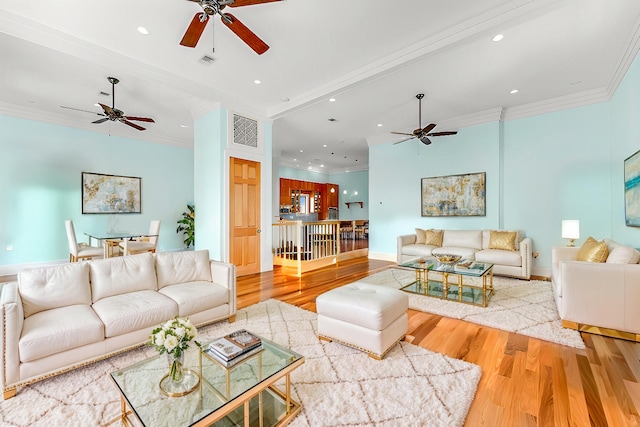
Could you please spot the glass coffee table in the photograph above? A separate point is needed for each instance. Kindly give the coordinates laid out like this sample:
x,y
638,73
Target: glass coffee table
x,y
466,281
241,395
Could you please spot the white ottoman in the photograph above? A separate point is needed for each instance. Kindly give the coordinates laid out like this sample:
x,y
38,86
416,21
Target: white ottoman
x,y
372,318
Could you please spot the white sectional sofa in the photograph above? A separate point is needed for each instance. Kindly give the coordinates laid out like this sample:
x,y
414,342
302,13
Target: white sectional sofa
x,y
598,297
58,318
476,245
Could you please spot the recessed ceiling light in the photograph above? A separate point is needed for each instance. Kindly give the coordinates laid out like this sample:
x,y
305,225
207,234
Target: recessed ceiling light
x,y
301,151
514,91
295,160
257,82
344,191
321,166
379,125
324,145
332,100
497,37
183,126
285,99
309,168
143,30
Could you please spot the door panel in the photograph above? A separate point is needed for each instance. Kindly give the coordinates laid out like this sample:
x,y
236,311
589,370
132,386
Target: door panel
x,y
245,216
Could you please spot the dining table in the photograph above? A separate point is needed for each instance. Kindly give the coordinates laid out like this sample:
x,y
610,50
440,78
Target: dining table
x,y
111,240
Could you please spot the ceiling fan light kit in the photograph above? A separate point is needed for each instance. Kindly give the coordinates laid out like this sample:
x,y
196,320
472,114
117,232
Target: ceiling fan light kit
x,y
421,133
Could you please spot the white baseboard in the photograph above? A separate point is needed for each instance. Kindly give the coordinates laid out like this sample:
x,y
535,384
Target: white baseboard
x,y
383,256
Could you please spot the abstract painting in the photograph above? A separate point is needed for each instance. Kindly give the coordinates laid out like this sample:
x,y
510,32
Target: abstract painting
x,y
632,190
107,194
454,195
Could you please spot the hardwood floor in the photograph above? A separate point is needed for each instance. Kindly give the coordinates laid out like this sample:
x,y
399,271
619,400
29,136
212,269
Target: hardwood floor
x,y
525,381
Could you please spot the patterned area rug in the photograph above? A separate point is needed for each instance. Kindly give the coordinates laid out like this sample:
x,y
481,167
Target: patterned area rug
x,y
525,307
336,385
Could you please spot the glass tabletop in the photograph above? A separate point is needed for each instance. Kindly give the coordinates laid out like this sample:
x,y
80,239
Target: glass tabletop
x,y
219,386
464,267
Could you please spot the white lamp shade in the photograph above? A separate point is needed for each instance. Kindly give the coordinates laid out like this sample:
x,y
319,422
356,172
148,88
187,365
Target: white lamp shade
x,y
570,229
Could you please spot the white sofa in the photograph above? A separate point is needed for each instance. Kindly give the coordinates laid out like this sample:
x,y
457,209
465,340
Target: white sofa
x,y
597,297
58,318
474,245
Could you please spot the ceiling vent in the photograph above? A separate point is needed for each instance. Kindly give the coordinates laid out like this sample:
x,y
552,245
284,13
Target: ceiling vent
x,y
206,60
245,131
105,94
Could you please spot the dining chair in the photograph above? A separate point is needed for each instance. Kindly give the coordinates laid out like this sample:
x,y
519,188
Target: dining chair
x,y
142,244
80,251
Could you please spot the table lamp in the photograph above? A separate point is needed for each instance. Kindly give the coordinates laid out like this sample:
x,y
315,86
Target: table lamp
x,y
571,230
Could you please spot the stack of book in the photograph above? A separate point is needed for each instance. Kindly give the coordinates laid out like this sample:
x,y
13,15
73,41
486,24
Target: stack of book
x,y
235,347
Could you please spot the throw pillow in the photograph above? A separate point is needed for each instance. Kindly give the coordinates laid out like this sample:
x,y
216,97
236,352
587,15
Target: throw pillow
x,y
505,240
623,255
421,236
434,237
593,251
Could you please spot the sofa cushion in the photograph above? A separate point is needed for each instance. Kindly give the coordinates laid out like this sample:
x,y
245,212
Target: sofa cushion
x,y
421,236
53,287
181,267
462,239
122,275
593,251
465,253
505,240
486,238
130,312
500,257
417,250
194,297
623,255
57,330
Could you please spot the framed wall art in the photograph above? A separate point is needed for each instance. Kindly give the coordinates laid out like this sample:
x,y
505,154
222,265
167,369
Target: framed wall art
x,y
108,194
632,190
454,195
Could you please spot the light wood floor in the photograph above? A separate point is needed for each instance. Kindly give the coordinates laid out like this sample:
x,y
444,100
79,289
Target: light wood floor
x,y
525,381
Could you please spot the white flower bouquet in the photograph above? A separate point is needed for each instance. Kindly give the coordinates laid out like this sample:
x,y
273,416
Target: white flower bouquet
x,y
174,336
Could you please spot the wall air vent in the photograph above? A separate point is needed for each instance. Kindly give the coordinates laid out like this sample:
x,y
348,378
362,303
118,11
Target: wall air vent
x,y
245,131
207,60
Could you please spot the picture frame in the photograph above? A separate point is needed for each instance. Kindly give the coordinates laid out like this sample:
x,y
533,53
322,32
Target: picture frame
x,y
632,190
454,195
109,194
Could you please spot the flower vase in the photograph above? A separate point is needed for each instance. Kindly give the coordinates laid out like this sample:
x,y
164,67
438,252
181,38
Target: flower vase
x,y
176,372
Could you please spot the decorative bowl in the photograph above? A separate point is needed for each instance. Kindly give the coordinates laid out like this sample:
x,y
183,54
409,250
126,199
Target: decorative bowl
x,y
447,258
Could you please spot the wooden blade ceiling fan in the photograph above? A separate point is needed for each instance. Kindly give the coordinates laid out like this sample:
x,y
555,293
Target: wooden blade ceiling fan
x,y
421,133
114,114
212,7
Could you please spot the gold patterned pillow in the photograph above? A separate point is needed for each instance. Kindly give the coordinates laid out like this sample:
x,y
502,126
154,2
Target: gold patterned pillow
x,y
505,240
434,237
421,236
593,251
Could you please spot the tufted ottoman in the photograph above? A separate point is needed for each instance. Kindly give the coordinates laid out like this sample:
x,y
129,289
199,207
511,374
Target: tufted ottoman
x,y
371,318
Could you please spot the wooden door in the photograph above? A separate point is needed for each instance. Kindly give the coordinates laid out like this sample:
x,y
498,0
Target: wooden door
x,y
244,205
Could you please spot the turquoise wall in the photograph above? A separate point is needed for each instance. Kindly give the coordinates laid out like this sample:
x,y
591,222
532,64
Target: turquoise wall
x,y
41,178
395,173
540,170
209,144
352,183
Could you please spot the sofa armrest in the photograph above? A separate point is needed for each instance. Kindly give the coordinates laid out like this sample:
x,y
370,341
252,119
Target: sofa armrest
x,y
224,273
600,294
564,253
526,254
407,239
12,318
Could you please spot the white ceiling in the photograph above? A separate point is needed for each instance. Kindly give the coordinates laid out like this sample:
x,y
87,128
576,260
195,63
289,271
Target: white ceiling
x,y
372,56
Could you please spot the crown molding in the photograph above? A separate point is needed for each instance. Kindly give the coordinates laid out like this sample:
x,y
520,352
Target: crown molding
x,y
560,103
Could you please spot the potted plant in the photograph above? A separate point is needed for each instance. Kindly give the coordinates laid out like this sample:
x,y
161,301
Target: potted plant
x,y
186,225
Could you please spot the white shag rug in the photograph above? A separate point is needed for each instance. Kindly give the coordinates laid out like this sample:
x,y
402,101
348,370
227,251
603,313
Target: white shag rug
x,y
524,307
336,385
